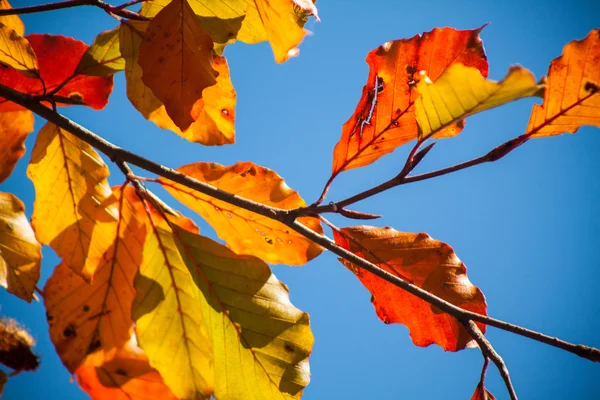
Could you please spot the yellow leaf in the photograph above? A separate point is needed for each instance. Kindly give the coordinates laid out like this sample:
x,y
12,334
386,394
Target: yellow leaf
x,y
70,195
14,128
176,60
170,326
16,52
246,232
261,342
250,21
12,21
20,252
103,58
572,98
84,318
462,91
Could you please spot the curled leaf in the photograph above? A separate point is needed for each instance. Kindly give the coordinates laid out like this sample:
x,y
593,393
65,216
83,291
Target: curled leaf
x,y
15,347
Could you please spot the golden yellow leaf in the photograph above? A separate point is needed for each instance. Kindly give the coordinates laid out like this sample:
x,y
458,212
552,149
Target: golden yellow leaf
x,y
70,212
250,21
572,98
462,91
20,252
261,342
86,318
14,128
176,60
246,232
16,52
12,21
104,57
170,326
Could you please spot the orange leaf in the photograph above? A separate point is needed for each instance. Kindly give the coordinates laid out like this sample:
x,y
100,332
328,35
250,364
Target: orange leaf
x,y
58,56
384,118
124,374
176,59
246,232
572,97
481,393
427,263
86,318
14,128
70,207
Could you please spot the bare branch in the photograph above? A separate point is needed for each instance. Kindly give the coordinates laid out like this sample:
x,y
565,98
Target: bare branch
x,y
116,10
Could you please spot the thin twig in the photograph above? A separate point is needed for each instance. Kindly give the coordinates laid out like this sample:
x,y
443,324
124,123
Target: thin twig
x,y
116,10
117,154
488,351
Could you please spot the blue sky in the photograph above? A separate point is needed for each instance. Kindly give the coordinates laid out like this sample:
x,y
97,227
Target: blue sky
x,y
526,226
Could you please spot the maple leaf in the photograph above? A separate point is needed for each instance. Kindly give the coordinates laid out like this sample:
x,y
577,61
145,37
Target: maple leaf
x,y
427,263
244,231
385,118
572,97
176,60
14,128
103,57
70,207
461,91
20,252
57,56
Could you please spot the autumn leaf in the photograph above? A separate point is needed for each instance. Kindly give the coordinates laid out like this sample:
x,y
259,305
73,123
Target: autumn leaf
x,y
86,318
170,326
385,118
244,231
481,393
103,57
14,128
176,60
427,263
213,114
250,21
58,57
16,52
70,212
461,91
572,97
122,374
261,342
15,347
20,252
12,21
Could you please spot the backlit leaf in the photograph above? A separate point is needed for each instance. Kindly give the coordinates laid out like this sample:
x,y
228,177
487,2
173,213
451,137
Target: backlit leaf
x,y
12,21
428,263
70,212
250,21
86,318
16,52
481,393
385,118
103,57
261,342
14,128
20,252
123,374
461,91
213,114
572,97
170,326
58,57
246,232
176,60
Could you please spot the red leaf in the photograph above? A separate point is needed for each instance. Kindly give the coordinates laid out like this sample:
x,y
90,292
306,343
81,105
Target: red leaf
x,y
58,56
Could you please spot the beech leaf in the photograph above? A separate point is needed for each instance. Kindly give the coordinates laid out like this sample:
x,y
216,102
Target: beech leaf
x,y
481,393
385,118
261,342
20,252
103,57
16,52
428,263
461,91
14,128
12,21
70,207
244,231
176,60
572,97
15,347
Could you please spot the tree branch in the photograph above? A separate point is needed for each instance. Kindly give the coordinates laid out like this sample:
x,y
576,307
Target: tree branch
x,y
118,155
116,10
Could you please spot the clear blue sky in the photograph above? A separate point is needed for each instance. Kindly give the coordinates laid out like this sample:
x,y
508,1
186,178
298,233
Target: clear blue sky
x,y
526,227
